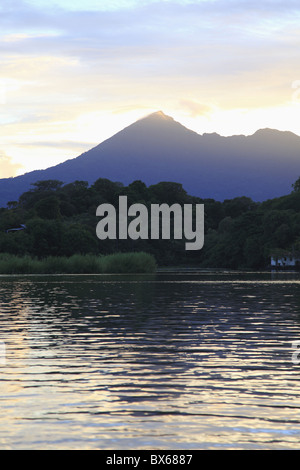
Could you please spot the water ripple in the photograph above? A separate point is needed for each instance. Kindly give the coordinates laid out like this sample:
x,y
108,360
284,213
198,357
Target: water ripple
x,y
167,361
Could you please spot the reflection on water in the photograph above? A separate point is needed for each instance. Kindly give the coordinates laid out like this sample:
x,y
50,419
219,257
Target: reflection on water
x,y
169,361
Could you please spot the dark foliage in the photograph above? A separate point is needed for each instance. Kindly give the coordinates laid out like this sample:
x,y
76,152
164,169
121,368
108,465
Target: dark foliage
x,y
61,221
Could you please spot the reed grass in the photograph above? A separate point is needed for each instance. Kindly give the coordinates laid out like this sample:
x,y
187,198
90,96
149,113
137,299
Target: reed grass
x,y
118,263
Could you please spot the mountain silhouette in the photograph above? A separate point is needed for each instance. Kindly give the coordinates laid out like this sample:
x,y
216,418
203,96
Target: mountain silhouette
x,y
157,148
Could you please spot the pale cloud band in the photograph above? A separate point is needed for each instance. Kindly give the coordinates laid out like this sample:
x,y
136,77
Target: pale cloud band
x,y
7,167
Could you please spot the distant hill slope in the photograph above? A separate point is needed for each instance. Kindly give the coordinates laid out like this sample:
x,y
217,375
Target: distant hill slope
x,y
157,148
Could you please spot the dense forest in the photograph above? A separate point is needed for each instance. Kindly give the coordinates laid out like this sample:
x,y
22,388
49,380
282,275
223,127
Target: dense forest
x,y
60,220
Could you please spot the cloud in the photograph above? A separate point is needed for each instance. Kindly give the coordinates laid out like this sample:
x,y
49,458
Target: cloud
x,y
7,167
195,109
178,35
77,147
64,59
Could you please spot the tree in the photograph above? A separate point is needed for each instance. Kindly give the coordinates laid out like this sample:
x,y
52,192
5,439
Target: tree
x,y
225,225
40,189
283,236
77,240
75,197
12,204
238,205
296,186
48,208
46,235
47,185
136,192
253,252
169,193
16,243
273,219
107,189
214,213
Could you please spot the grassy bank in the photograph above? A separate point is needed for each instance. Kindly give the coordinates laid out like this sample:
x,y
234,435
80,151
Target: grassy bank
x,y
78,264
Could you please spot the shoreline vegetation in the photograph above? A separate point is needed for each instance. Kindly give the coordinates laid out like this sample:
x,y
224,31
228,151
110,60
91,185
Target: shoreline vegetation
x,y
54,221
118,263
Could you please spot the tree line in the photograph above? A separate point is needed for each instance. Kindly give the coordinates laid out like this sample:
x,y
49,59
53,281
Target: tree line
x,y
60,220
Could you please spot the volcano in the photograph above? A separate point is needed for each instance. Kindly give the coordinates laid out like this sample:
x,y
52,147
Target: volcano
x,y
157,148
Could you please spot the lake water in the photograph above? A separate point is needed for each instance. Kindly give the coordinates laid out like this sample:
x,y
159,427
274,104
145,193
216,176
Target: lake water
x,y
166,361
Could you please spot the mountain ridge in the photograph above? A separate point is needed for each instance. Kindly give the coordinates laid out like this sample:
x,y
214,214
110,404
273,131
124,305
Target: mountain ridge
x,y
157,148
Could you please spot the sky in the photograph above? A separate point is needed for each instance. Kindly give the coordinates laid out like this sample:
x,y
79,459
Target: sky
x,y
73,73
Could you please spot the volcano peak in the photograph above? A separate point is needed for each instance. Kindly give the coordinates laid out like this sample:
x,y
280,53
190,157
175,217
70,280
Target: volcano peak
x,y
159,115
